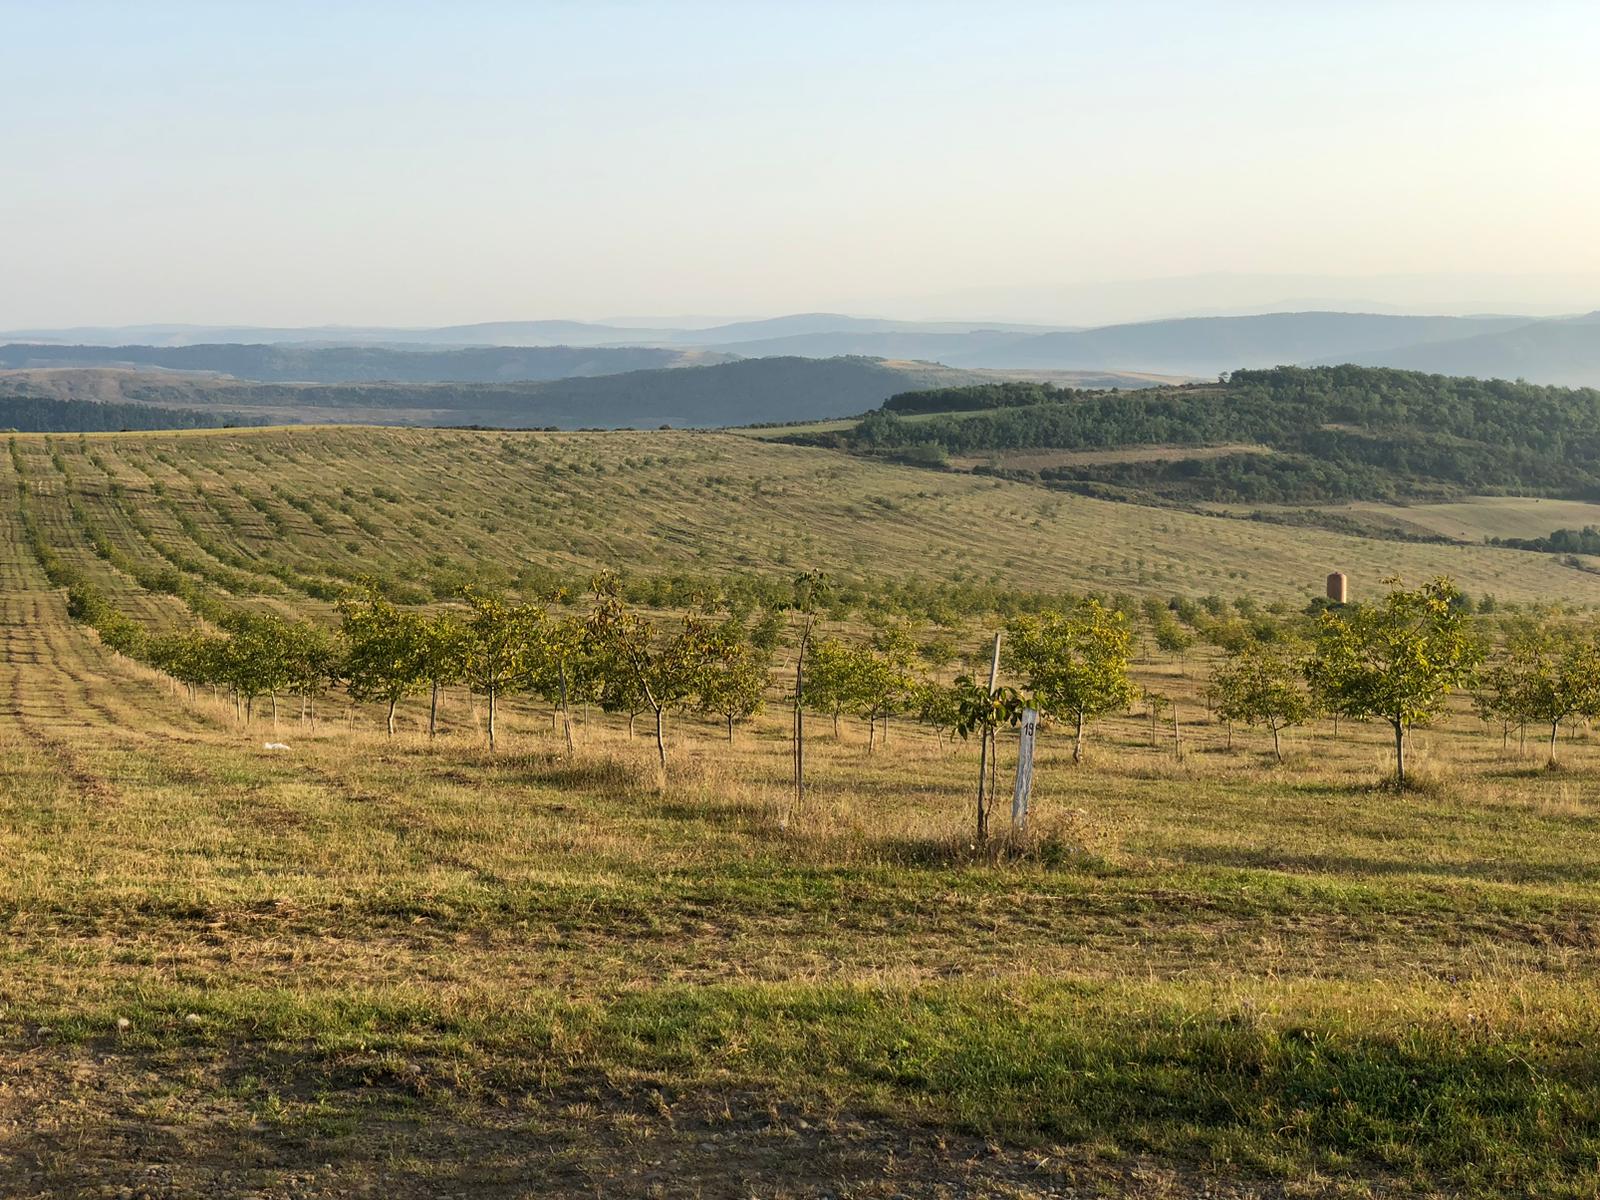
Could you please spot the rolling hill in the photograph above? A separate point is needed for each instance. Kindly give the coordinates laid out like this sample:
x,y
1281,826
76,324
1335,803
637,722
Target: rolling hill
x,y
745,392
46,414
296,512
1295,435
1554,351
1209,345
1557,351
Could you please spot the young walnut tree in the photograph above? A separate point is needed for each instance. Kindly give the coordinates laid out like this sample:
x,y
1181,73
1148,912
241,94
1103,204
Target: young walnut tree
x,y
1264,684
1076,663
1396,660
1548,673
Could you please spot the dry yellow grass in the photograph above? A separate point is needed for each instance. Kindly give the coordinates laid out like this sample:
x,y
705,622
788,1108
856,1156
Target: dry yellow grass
x,y
426,505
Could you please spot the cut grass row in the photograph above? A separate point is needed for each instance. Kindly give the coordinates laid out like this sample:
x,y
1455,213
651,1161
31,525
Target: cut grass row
x,y
426,505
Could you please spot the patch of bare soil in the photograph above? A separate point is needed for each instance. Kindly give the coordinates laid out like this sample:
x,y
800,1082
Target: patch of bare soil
x,y
110,1125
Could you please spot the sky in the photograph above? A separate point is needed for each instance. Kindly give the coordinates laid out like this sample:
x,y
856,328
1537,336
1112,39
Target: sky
x,y
420,164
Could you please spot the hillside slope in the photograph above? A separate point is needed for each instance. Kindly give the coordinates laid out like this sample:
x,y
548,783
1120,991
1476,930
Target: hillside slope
x,y
47,414
1553,352
287,514
1319,434
737,393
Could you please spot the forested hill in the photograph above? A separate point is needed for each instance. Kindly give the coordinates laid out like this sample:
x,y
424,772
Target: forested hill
x,y
1302,435
42,414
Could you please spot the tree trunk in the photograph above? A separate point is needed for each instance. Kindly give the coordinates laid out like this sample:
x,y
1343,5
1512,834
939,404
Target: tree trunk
x,y
249,709
730,729
393,700
661,741
800,722
1555,729
491,715
566,717
1399,752
1077,745
984,752
983,783
1276,749
632,717
994,766
433,710
872,732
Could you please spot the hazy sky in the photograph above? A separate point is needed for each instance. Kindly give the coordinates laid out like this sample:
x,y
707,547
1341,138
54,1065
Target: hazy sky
x,y
413,163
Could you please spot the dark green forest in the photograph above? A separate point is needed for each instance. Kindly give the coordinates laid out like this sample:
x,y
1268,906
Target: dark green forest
x,y
1562,541
1326,433
1017,394
35,414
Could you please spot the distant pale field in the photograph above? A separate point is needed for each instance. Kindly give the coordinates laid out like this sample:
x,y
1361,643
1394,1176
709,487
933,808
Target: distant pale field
x,y
334,504
1472,519
1491,516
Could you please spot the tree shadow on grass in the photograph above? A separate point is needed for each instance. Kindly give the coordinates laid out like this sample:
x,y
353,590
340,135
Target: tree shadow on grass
x,y
722,814
1487,870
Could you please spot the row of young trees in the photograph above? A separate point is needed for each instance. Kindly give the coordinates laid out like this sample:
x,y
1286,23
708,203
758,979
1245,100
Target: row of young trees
x,y
1396,660
611,656
1399,660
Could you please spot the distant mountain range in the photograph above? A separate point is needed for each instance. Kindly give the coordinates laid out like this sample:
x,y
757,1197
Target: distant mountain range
x,y
497,333
1553,350
502,333
300,363
1565,351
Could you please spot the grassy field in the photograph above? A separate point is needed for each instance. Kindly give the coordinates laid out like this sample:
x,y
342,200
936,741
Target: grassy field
x,y
378,967
1483,517
291,506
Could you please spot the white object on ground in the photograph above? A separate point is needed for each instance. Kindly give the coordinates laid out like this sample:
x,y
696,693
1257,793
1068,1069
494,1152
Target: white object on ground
x,y
274,746
1024,788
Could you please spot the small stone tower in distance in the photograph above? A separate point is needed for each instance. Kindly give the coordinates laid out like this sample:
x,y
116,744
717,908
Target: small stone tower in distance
x,y
1338,588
